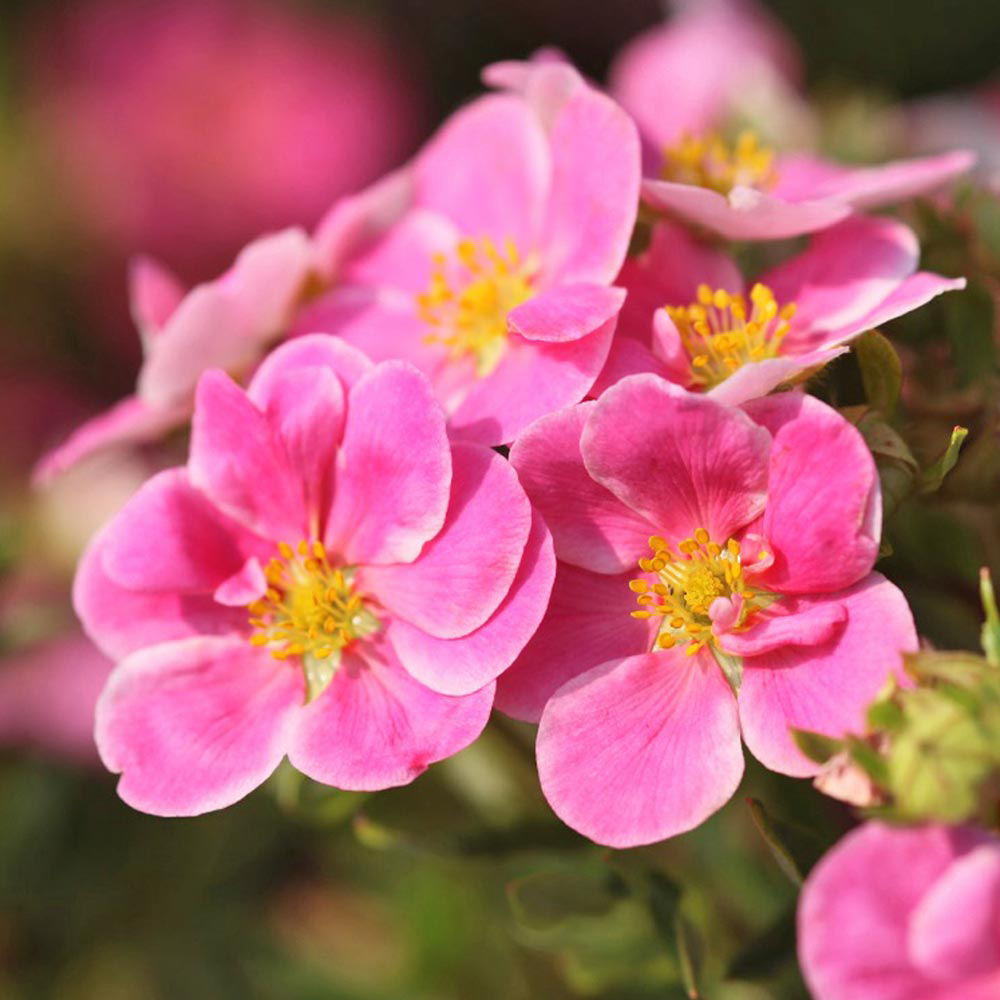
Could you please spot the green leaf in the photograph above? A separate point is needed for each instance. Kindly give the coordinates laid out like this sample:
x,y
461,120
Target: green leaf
x,y
664,904
793,847
933,476
969,325
817,747
881,371
991,626
546,899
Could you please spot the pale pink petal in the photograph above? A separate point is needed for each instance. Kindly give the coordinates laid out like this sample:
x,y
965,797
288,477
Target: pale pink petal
x,y
680,460
170,537
955,930
627,357
758,378
132,421
589,622
594,196
566,312
462,574
790,621
856,905
824,510
376,727
121,621
531,380
316,351
393,469
826,688
461,666
196,725
246,585
238,460
845,272
546,81
590,526
154,295
487,169
746,214
640,749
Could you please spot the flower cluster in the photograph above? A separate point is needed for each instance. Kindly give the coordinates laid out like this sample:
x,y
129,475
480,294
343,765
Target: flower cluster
x,y
513,428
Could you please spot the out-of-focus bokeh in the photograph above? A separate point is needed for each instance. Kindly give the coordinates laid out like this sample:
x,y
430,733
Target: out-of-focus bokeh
x,y
180,129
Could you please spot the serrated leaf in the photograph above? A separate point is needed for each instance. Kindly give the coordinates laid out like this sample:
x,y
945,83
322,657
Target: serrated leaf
x,y
881,371
933,476
817,747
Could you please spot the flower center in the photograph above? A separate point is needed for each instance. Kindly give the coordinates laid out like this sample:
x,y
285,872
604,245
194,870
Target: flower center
x,y
710,161
722,332
687,583
310,609
468,299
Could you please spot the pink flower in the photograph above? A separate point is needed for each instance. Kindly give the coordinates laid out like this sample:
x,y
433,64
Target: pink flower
x,y
488,263
327,578
747,537
227,323
184,127
897,914
690,317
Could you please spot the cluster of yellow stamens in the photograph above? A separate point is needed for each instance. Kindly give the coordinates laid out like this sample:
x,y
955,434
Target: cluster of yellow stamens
x,y
685,586
471,319
711,161
310,609
722,332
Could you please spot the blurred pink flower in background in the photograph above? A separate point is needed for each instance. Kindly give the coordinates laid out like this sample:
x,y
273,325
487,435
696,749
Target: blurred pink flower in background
x,y
185,127
904,914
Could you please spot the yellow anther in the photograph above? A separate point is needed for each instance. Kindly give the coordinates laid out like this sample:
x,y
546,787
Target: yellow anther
x,y
710,161
638,586
701,536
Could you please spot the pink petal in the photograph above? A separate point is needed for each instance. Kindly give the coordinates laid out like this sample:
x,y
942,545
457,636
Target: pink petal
x,y
196,725
461,666
566,312
546,82
747,214
121,621
680,460
532,379
462,574
238,460
954,932
131,421
487,170
376,727
846,271
154,295
758,378
588,622
393,469
592,204
170,537
246,585
316,351
825,688
856,905
824,509
640,749
788,622
627,357
590,526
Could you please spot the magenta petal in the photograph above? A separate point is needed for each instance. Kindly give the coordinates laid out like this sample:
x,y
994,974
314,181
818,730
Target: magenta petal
x,y
747,214
376,727
825,688
393,469
532,379
640,749
789,622
824,509
170,537
955,930
247,585
487,170
590,526
465,571
310,351
238,460
129,422
588,622
461,666
566,312
592,204
154,295
627,357
196,725
120,620
680,460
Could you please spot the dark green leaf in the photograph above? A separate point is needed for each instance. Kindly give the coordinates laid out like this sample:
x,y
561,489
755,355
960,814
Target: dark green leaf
x,y
881,371
545,899
969,321
794,848
817,747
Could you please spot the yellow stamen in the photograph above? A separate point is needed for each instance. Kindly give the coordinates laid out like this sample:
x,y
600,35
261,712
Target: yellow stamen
x,y
710,161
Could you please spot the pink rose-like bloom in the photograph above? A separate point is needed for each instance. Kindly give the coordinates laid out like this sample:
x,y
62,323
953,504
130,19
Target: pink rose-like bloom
x,y
690,316
227,323
689,536
488,262
904,914
183,127
684,83
328,579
